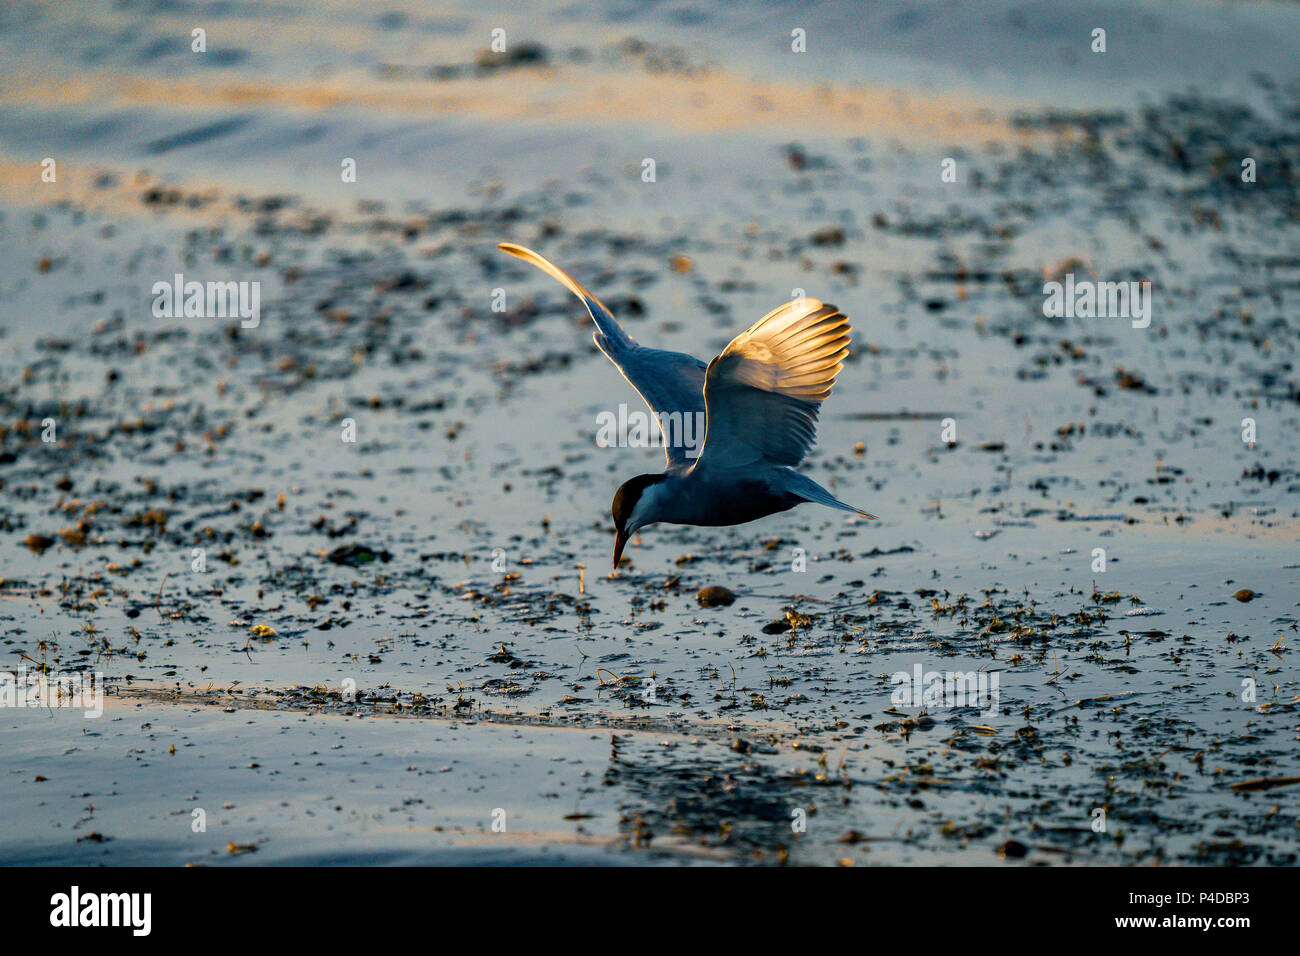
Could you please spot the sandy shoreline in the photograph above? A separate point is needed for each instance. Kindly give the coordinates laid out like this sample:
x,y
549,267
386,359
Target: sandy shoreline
x,y
200,521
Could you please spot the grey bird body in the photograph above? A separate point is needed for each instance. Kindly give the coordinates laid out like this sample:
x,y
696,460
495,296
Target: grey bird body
x,y
760,399
712,501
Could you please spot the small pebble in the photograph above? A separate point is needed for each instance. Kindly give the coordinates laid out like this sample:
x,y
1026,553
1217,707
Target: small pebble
x,y
715,596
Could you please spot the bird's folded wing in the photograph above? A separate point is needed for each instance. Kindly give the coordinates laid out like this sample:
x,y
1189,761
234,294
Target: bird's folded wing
x,y
670,383
763,393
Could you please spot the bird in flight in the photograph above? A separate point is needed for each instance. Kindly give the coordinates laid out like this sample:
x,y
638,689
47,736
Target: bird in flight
x,y
759,400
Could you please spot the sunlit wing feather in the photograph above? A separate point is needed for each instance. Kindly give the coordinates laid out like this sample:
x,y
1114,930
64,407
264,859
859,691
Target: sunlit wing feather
x,y
763,393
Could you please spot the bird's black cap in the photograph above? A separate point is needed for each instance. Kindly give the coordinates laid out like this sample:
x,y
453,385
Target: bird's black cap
x,y
628,494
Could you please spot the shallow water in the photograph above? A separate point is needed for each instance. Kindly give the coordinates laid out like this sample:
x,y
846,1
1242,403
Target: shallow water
x,y
497,663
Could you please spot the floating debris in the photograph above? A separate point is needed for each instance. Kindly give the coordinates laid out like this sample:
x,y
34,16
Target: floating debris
x,y
1265,783
1012,850
38,542
355,555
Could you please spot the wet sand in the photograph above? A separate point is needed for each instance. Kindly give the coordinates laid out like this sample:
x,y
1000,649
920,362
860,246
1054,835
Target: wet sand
x,y
451,565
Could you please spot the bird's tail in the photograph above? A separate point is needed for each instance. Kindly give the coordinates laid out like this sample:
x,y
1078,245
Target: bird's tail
x,y
809,490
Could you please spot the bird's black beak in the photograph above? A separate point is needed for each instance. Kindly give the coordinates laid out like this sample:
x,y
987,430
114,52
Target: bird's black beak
x,y
620,542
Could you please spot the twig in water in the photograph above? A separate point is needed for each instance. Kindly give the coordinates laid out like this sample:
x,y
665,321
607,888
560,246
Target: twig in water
x,y
158,600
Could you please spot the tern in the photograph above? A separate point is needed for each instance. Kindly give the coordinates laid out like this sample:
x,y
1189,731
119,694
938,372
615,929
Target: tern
x,y
759,399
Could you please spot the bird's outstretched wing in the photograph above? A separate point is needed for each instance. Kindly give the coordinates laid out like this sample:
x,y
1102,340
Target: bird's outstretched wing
x,y
762,394
670,383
